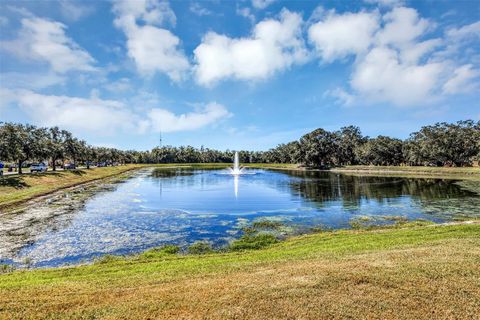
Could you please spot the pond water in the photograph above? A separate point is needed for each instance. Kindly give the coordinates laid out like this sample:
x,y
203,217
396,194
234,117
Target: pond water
x,y
159,206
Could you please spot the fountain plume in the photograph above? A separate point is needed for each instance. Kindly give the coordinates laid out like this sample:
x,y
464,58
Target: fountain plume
x,y
236,170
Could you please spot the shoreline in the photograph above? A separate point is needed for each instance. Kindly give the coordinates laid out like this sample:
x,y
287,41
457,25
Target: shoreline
x,y
467,173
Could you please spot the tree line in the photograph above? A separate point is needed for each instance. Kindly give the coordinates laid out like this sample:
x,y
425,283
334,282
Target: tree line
x,y
441,144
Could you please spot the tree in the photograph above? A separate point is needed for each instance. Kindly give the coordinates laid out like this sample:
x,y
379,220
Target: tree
x,y
11,141
349,139
72,147
56,145
444,144
318,148
381,151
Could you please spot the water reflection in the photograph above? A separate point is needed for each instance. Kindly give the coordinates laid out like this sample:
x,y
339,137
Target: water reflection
x,y
180,206
235,185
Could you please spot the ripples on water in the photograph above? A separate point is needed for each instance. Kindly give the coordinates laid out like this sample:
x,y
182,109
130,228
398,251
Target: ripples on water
x,y
157,207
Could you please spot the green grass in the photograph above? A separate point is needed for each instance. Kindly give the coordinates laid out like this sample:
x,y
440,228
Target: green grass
x,y
364,272
467,173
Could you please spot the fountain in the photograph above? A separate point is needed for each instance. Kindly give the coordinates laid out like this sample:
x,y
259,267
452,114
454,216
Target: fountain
x,y
236,166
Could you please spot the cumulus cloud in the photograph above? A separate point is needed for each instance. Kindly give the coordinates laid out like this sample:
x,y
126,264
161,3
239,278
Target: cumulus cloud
x,y
76,114
105,117
275,45
395,60
153,49
380,76
166,121
44,40
402,27
465,79
386,3
262,4
36,80
74,11
337,36
465,32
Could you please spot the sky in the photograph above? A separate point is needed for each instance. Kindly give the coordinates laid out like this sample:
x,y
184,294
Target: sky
x,y
237,75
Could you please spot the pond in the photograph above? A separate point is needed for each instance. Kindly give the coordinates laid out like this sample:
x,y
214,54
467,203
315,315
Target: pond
x,y
155,207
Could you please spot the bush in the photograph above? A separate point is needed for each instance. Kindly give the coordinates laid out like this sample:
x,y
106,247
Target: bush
x,y
6,268
256,241
108,258
200,247
161,251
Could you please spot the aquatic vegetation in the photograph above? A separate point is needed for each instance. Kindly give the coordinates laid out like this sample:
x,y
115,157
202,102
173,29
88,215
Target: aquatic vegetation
x,y
266,224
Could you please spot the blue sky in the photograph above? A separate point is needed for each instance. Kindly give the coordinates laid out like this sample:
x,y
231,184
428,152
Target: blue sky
x,y
237,75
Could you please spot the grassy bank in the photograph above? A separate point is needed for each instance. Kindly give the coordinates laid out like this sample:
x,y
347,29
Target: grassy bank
x,y
411,273
441,172
394,171
17,189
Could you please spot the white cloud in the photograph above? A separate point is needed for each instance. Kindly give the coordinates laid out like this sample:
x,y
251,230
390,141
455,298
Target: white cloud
x,y
246,13
465,79
76,114
381,76
386,3
119,86
402,27
105,117
468,31
199,10
74,11
274,45
337,36
342,96
395,60
262,4
37,81
166,121
44,40
153,49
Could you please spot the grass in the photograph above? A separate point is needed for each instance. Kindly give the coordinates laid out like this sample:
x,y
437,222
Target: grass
x,y
470,173
416,272
17,189
464,173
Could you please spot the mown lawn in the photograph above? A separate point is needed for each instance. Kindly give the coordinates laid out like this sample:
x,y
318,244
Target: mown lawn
x,y
417,272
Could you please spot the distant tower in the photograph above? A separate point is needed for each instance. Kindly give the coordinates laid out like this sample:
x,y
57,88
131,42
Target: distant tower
x,y
160,139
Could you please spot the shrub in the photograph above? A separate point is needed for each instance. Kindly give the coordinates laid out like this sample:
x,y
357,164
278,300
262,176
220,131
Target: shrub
x,y
6,268
161,251
200,247
249,241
